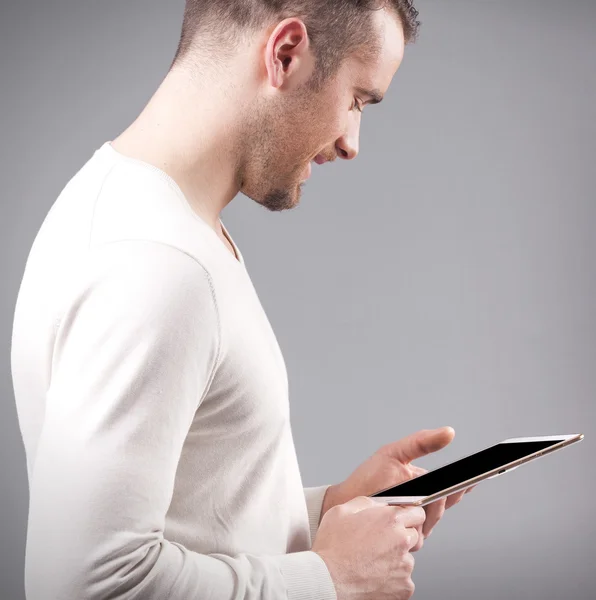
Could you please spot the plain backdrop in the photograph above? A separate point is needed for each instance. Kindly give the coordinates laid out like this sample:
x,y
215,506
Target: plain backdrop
x,y
444,277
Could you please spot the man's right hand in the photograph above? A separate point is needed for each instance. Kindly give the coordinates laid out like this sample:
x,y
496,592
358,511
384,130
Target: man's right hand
x,y
366,547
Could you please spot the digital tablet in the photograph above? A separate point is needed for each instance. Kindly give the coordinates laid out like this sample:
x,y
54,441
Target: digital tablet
x,y
468,471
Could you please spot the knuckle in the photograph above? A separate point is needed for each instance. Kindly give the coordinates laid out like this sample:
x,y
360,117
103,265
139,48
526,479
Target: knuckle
x,y
395,517
403,542
407,541
410,586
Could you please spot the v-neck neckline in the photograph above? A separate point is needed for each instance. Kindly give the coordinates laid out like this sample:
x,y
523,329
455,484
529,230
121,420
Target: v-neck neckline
x,y
229,238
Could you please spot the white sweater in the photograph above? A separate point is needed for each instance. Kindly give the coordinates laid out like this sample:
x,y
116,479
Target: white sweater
x,y
152,398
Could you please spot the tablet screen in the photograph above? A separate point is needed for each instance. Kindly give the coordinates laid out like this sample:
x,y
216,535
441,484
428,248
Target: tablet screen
x,y
466,468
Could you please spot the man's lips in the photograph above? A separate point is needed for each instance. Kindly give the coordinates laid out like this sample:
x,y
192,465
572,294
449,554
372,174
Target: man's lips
x,y
319,159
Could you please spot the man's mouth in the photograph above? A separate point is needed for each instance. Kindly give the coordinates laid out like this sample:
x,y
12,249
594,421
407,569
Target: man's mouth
x,y
319,159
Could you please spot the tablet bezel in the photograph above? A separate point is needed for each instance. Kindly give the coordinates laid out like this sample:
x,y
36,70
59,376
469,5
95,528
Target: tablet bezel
x,y
566,440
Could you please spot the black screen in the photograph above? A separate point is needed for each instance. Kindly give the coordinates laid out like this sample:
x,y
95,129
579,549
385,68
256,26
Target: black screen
x,y
466,468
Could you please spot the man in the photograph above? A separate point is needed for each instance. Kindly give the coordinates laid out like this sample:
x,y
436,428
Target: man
x,y
151,392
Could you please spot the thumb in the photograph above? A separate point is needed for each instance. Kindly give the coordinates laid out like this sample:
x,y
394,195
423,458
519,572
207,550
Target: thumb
x,y
419,444
360,503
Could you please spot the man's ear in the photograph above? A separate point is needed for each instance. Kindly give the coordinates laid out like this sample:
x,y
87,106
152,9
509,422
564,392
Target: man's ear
x,y
288,57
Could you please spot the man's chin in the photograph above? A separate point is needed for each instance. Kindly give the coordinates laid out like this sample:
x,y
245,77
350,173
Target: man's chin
x,y
283,198
279,197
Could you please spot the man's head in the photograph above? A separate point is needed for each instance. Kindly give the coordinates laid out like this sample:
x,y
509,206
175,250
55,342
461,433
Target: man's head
x,y
316,64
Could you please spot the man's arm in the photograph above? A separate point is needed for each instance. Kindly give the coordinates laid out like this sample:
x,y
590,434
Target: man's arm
x,y
318,501
135,352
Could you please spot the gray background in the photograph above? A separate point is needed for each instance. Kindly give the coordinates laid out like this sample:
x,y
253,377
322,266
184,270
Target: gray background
x,y
445,277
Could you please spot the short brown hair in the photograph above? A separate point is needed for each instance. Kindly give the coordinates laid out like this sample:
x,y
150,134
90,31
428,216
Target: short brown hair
x,y
336,28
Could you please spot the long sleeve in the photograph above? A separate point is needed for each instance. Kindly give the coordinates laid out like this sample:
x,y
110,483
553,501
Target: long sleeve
x,y
135,351
314,504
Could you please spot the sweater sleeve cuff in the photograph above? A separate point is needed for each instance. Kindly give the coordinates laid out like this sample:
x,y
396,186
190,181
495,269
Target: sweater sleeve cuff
x,y
306,576
314,503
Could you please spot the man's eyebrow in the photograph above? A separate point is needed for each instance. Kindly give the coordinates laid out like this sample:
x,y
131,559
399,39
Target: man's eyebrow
x,y
375,94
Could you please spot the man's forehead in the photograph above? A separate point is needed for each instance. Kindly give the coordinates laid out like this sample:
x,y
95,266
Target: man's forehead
x,y
388,51
373,79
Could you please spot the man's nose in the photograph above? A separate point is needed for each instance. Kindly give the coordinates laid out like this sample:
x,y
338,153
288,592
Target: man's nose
x,y
347,145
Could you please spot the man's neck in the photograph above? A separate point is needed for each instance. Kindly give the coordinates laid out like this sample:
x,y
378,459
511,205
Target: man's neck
x,y
169,135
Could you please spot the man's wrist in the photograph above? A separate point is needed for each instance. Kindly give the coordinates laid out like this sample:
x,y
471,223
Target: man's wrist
x,y
330,499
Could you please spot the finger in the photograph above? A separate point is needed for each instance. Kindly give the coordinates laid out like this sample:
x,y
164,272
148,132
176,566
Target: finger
x,y
411,516
412,537
454,498
420,541
419,444
434,512
361,503
470,488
